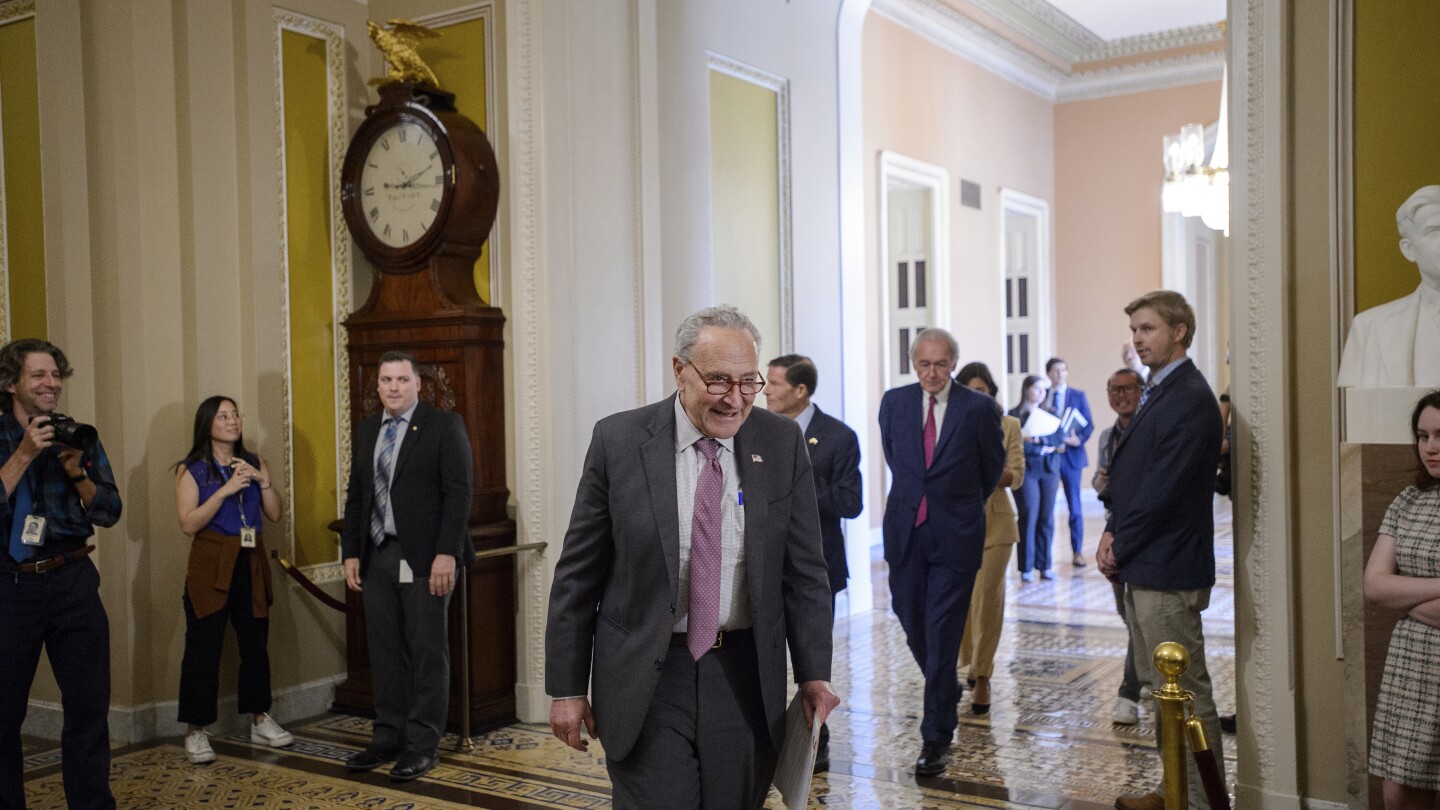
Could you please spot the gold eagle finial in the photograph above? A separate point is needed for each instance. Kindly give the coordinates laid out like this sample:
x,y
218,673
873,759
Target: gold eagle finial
x,y
397,43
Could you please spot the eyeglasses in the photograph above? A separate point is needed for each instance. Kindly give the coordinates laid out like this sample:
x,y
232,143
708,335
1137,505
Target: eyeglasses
x,y
227,418
719,386
1123,389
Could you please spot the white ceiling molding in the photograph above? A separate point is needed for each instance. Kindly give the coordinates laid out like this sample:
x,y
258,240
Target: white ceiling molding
x,y
1158,42
968,39
1141,77
1067,39
1046,25
971,40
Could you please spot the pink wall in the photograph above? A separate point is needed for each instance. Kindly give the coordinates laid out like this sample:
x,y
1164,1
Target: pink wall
x,y
929,104
1108,175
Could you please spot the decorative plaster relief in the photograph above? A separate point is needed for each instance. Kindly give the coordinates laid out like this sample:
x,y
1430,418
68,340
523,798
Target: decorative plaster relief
x,y
333,35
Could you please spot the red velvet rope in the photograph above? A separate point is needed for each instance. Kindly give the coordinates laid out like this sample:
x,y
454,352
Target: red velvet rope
x,y
314,589
1213,780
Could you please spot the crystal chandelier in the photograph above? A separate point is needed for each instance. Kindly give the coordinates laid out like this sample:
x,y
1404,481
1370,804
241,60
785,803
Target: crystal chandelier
x,y
1193,186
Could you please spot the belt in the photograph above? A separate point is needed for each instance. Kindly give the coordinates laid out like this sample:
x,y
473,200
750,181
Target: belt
x,y
49,564
683,639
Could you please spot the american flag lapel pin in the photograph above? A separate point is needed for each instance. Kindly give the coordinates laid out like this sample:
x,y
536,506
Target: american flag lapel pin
x,y
755,457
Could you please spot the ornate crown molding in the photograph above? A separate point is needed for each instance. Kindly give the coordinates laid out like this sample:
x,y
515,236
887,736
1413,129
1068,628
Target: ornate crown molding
x,y
1159,42
1071,41
1141,77
1046,25
969,39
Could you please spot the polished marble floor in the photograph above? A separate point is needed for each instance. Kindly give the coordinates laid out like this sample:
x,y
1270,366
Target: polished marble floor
x,y
1047,742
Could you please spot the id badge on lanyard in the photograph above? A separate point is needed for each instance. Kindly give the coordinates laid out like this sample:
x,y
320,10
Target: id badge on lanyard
x,y
34,532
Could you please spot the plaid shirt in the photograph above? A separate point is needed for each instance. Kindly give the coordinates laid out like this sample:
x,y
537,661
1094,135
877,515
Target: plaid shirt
x,y
69,521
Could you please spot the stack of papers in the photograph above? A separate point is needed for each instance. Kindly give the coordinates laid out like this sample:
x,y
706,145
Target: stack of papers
x,y
797,758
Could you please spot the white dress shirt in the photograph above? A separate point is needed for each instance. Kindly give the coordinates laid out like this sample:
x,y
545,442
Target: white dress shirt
x,y
734,596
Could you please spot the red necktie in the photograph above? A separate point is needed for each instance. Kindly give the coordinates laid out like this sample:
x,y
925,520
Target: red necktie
x,y
929,438
704,619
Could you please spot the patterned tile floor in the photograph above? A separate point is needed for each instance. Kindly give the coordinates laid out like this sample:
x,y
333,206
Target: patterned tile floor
x,y
1047,742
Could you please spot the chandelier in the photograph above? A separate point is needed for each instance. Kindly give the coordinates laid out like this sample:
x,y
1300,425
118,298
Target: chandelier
x,y
1195,187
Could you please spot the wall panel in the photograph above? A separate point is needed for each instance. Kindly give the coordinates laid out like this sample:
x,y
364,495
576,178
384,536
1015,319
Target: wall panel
x,y
22,222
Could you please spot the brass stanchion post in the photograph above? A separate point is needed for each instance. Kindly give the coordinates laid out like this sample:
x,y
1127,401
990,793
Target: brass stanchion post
x,y
464,744
1171,661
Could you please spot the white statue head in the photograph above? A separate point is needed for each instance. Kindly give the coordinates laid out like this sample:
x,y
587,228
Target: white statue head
x,y
1419,222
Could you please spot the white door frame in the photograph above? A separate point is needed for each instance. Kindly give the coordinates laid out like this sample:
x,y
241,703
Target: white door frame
x,y
1029,205
909,171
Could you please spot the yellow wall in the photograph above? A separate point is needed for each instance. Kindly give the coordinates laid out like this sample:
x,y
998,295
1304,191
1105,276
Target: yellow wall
x,y
1397,90
24,226
745,202
310,277
458,59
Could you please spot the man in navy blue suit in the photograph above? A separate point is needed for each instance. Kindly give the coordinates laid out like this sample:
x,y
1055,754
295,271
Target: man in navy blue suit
x,y
834,452
1074,459
1160,538
946,450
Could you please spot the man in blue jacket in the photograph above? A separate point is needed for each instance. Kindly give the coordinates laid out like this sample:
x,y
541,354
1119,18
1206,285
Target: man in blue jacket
x,y
1064,401
1160,538
946,450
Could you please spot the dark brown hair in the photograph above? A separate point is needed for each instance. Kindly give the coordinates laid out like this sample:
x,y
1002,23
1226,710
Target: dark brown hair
x,y
12,362
1423,479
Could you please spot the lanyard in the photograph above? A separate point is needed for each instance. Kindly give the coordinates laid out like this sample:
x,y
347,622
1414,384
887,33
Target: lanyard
x,y
225,473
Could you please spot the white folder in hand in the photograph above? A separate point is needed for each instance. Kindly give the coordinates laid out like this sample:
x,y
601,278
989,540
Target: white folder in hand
x,y
797,757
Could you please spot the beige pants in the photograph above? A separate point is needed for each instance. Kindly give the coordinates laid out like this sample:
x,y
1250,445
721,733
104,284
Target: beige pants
x,y
987,613
1157,616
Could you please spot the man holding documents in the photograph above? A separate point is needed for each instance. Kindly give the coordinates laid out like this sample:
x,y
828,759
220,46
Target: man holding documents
x,y
946,450
1073,409
692,561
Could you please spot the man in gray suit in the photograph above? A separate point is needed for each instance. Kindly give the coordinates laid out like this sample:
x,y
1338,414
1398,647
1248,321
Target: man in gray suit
x,y
693,559
407,508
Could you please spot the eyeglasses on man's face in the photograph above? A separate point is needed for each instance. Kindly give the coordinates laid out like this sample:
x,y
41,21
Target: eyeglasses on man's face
x,y
720,385
1123,389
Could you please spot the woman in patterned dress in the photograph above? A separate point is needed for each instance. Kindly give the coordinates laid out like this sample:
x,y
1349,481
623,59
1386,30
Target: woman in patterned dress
x,y
1404,574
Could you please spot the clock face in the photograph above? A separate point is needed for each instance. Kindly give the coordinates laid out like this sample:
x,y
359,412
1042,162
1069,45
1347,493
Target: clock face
x,y
402,184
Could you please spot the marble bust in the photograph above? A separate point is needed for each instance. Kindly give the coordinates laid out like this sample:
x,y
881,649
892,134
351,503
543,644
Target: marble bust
x,y
1398,342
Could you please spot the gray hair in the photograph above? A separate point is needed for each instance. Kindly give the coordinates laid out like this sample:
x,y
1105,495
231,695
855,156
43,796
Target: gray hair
x,y
937,335
723,316
1405,214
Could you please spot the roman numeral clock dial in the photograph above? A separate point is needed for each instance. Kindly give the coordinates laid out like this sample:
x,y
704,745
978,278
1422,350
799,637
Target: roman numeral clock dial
x,y
420,187
402,184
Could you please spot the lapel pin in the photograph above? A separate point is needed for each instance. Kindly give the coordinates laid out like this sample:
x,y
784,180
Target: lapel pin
x,y
755,457
814,440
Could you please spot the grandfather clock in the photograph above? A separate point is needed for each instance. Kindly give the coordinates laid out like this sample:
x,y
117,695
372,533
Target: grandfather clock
x,y
419,190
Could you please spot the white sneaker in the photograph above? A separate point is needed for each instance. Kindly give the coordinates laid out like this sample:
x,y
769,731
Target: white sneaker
x,y
1125,713
270,733
197,747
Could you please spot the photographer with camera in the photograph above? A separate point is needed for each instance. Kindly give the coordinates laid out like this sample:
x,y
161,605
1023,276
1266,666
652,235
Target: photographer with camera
x,y
57,486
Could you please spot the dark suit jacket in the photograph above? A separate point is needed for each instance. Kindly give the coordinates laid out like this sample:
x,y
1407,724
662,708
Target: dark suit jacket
x,y
969,457
612,603
1162,480
1075,459
430,490
835,462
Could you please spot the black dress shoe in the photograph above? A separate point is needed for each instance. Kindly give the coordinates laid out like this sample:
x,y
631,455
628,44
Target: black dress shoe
x,y
371,758
1227,723
413,766
934,758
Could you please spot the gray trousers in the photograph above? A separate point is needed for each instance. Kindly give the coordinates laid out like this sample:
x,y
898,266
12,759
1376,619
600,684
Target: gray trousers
x,y
1157,616
704,743
409,654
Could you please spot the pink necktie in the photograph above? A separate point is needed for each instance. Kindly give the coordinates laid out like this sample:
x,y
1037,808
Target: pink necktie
x,y
704,620
929,438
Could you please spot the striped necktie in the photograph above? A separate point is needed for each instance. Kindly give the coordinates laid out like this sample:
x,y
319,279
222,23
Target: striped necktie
x,y
382,481
703,623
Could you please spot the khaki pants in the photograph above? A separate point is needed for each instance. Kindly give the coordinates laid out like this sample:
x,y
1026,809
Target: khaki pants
x,y
1157,616
987,613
